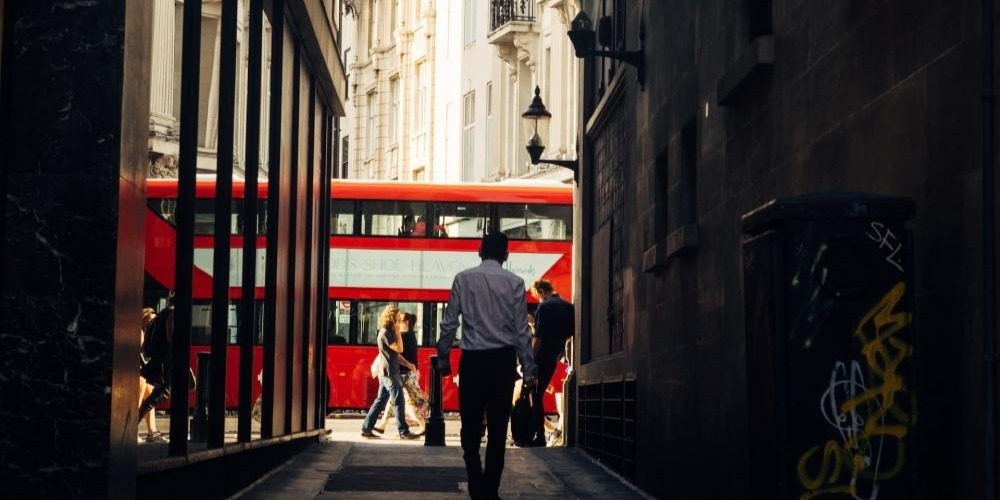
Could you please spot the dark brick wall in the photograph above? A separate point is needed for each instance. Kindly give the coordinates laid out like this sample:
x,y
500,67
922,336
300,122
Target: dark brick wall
x,y
881,97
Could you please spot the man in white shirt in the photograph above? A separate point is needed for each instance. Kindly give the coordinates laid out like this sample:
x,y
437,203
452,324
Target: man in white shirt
x,y
491,302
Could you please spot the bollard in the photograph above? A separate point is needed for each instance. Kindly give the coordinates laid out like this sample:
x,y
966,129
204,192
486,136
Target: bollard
x,y
434,432
199,422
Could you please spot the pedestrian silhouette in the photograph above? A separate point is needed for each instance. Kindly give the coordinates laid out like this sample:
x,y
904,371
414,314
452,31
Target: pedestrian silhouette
x,y
491,304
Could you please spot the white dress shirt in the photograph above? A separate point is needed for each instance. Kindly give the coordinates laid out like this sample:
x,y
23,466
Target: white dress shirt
x,y
490,300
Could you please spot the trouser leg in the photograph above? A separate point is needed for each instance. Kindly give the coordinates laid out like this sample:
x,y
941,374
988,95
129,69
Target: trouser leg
x,y
377,406
547,357
399,402
471,406
501,381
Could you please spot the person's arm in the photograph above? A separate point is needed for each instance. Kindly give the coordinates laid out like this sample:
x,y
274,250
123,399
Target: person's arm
x,y
397,340
523,335
541,328
449,327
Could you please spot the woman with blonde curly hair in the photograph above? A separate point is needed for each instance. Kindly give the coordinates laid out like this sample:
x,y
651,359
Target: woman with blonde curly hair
x,y
390,344
417,405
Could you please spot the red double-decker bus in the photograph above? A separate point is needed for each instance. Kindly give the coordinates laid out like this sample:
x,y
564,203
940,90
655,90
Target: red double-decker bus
x,y
390,243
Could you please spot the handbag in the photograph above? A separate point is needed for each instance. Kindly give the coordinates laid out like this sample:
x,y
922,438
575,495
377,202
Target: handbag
x,y
522,428
379,365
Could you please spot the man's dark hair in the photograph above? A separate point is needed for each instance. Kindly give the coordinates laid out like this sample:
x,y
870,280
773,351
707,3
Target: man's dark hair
x,y
543,286
494,247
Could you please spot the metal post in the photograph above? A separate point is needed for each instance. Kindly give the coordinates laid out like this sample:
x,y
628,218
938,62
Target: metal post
x,y
184,257
434,433
248,301
199,422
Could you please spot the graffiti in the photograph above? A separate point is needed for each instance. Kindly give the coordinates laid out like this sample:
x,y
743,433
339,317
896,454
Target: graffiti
x,y
888,241
870,416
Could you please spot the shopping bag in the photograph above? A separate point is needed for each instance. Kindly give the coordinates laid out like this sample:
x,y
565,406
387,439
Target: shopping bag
x,y
378,366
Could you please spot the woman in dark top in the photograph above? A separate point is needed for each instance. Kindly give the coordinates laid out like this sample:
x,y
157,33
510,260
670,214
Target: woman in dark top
x,y
417,406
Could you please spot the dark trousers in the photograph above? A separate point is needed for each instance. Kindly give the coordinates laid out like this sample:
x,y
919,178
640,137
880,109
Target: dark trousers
x,y
485,384
548,355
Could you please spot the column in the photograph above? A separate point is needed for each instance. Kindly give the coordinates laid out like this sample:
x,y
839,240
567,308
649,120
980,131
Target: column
x,y
162,76
73,145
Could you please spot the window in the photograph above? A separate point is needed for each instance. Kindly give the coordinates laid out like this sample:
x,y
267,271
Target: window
x,y
394,21
204,214
421,118
469,138
391,218
758,16
488,167
342,217
537,222
438,310
356,322
201,323
369,311
345,148
689,173
470,22
347,73
371,26
370,137
394,111
463,220
339,331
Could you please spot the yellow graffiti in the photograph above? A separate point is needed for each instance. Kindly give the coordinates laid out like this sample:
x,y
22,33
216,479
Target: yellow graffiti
x,y
886,423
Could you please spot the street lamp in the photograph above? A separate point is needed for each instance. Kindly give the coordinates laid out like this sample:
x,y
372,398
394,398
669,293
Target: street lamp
x,y
581,34
536,132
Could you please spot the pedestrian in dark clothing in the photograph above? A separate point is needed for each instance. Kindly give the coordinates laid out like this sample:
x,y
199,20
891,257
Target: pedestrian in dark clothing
x,y
554,323
156,350
491,303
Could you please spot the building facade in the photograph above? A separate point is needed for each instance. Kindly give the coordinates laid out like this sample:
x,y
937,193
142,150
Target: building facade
x,y
81,87
165,95
438,88
752,101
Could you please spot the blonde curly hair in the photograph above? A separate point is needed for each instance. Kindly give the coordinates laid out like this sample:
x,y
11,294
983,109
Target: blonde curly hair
x,y
388,317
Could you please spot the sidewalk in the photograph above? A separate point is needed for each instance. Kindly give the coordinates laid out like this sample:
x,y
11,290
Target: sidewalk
x,y
349,466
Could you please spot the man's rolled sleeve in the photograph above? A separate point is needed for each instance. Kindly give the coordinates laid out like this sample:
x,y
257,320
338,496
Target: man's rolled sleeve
x,y
449,326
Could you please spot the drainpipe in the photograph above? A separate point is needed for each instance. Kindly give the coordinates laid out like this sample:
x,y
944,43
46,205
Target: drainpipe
x,y
989,254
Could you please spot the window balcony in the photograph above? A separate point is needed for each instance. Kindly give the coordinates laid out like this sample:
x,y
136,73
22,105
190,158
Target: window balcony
x,y
505,12
512,29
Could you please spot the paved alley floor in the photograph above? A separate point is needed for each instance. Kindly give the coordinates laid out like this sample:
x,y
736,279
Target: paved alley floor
x,y
347,466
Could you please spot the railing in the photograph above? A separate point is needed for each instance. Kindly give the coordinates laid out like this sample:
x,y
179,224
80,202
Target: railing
x,y
503,12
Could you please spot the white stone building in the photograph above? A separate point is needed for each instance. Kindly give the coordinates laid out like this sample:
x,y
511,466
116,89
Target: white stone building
x,y
166,88
438,87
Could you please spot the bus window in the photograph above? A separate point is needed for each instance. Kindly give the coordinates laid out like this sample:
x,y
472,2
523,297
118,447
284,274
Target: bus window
x,y
204,214
462,220
261,217
439,309
340,322
201,323
537,222
342,217
390,218
204,217
164,207
368,313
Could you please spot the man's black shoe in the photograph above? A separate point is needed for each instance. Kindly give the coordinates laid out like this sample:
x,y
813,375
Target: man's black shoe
x,y
408,435
368,434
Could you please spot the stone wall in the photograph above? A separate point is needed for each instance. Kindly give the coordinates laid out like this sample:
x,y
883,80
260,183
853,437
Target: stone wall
x,y
881,97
